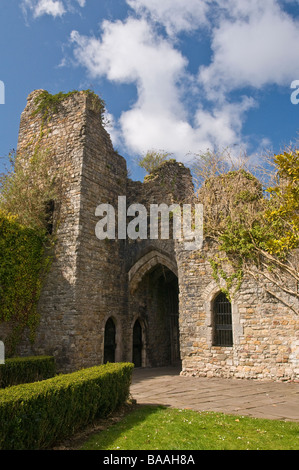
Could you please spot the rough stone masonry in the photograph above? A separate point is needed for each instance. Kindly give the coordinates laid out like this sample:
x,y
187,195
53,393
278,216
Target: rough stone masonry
x,y
147,301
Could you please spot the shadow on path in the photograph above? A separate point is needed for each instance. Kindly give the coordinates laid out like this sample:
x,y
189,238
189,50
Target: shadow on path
x,y
260,399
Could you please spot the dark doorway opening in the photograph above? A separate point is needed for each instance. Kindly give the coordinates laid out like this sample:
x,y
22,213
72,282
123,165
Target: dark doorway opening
x,y
171,293
137,344
157,302
109,341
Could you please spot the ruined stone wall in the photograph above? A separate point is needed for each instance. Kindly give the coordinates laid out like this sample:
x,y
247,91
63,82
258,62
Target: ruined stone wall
x,y
63,137
101,286
92,280
265,331
86,283
171,184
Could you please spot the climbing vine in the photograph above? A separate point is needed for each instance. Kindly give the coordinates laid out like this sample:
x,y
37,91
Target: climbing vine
x,y
27,187
23,264
232,281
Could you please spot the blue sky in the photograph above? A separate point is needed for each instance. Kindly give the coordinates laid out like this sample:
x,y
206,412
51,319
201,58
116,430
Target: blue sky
x,y
176,75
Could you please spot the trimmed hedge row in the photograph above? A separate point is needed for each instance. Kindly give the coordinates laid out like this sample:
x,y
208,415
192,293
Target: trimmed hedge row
x,y
20,370
35,416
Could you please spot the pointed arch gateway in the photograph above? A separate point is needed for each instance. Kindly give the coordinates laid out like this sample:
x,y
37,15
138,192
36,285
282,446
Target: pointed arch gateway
x,y
146,263
154,302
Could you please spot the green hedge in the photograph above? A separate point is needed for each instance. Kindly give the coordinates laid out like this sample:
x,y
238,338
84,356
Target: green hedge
x,y
20,370
36,416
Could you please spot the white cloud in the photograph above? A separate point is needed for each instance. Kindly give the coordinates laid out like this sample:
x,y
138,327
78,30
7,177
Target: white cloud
x,y
254,44
131,52
44,7
223,126
142,130
175,15
55,8
256,48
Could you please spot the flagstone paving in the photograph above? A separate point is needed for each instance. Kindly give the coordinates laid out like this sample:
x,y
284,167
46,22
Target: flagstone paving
x,y
259,399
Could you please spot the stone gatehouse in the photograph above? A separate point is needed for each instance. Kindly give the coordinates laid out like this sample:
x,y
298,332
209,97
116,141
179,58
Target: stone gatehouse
x,y
146,301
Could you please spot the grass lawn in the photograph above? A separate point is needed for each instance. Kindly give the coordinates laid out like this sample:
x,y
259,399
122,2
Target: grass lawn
x,y
162,428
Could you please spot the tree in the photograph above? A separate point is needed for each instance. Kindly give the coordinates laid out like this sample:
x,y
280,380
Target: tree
x,y
255,229
152,160
283,212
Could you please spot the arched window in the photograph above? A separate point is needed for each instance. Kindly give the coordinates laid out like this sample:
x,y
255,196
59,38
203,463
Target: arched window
x,y
222,321
109,341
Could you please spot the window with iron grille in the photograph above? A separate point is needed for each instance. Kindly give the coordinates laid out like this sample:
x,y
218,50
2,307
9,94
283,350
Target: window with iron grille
x,y
222,313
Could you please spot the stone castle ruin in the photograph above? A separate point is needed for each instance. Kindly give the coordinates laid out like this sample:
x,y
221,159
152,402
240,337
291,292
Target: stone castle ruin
x,y
150,302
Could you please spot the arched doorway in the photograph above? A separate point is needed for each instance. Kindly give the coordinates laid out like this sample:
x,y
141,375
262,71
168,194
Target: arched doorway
x,y
137,344
109,341
155,300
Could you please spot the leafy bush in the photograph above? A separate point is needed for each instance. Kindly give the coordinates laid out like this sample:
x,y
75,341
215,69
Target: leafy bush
x,y
153,160
35,416
28,186
20,370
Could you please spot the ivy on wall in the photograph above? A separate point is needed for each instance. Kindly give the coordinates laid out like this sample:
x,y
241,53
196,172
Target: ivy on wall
x,y
23,263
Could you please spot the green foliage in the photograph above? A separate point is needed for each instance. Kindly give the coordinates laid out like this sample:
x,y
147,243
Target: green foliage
x,y
256,234
48,104
37,415
25,191
27,187
19,370
22,266
274,228
153,160
233,281
246,196
283,212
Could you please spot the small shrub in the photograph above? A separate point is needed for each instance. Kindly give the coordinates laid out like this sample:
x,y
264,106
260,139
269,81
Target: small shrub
x,y
153,160
20,370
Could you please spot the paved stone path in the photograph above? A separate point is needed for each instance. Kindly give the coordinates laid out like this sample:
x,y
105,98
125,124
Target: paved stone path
x,y
233,396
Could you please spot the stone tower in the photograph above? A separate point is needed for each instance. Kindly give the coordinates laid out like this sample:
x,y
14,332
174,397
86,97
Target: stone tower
x,y
89,280
140,298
